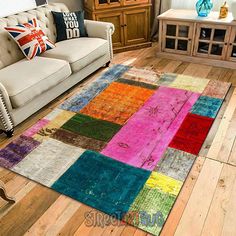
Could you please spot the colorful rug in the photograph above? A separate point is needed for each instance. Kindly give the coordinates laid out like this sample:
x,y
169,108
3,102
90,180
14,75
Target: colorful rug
x,y
124,144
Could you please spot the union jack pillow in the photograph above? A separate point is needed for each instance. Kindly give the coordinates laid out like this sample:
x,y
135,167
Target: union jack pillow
x,y
30,38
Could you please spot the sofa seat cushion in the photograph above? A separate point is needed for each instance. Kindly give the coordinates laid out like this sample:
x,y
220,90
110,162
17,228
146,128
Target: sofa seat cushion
x,y
24,80
79,52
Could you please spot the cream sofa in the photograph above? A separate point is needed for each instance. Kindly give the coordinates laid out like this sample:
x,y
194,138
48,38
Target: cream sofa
x,y
26,86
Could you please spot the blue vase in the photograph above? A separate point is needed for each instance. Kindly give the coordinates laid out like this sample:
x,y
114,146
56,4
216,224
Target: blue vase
x,y
204,7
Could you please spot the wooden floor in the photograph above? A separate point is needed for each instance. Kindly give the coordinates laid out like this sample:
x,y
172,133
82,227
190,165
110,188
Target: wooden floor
x,y
205,206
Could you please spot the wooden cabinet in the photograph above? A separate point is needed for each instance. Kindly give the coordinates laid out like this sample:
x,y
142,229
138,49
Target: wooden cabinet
x,y
207,40
231,54
131,19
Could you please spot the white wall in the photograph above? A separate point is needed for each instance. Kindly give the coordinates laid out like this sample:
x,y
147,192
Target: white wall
x,y
190,4
10,7
14,6
73,5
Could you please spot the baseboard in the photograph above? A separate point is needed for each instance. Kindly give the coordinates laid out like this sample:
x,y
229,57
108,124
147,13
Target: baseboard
x,y
132,47
198,60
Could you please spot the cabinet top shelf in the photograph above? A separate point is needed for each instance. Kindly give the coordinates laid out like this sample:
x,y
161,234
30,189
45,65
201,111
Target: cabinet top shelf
x,y
191,15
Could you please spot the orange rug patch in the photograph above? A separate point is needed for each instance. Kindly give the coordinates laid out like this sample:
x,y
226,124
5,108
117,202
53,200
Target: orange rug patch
x,y
117,103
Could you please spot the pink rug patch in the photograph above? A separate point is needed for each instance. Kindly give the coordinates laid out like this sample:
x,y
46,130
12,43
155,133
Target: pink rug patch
x,y
147,134
35,128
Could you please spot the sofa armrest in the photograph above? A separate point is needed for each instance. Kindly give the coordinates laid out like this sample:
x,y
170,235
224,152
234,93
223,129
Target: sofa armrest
x,y
98,29
6,122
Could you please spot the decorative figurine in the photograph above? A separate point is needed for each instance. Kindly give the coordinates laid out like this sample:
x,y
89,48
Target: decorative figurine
x,y
224,10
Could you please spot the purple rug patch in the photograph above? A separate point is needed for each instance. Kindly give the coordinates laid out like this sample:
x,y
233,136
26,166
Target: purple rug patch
x,y
14,152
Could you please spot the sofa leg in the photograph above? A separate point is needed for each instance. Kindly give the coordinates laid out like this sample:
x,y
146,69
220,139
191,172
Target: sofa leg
x,y
107,64
4,195
9,133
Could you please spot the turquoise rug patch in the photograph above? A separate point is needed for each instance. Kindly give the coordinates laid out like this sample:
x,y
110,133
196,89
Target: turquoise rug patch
x,y
103,183
207,106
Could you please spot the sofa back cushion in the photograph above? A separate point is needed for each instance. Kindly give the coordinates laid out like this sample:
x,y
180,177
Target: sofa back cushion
x,y
9,50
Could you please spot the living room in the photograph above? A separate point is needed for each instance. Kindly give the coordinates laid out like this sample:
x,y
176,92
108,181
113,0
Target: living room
x,y
117,117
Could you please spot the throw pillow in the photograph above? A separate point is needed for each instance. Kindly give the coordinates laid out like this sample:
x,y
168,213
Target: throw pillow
x,y
30,38
69,25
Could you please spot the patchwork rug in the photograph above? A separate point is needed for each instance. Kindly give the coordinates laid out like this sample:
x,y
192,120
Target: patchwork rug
x,y
124,144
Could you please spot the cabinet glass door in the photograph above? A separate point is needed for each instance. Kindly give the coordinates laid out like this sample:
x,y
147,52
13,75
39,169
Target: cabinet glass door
x,y
231,55
177,37
107,3
211,41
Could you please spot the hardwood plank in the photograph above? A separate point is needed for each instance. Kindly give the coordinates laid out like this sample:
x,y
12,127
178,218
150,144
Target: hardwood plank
x,y
122,58
219,73
63,218
233,78
229,227
215,73
50,217
7,177
15,185
139,232
197,70
75,221
229,141
162,64
171,67
3,172
181,68
85,228
128,231
18,197
222,130
197,207
226,75
210,137
220,204
147,63
232,156
180,204
24,214
98,230
146,58
114,230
